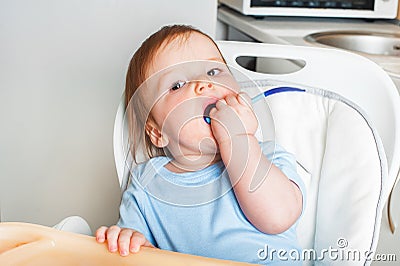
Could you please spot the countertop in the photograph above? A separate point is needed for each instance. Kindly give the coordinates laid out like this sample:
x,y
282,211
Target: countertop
x,y
300,26
292,30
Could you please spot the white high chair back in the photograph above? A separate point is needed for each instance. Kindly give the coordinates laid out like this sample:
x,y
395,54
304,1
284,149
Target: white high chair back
x,y
355,78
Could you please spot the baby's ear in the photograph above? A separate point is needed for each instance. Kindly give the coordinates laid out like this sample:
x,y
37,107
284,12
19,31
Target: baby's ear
x,y
157,138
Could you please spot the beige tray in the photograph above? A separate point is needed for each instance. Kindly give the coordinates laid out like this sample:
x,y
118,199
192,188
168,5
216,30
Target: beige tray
x,y
30,244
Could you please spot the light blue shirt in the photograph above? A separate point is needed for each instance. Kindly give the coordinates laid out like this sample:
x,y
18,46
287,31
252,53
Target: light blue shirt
x,y
197,212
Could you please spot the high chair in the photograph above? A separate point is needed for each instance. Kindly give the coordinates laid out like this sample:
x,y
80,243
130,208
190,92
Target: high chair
x,y
345,133
349,163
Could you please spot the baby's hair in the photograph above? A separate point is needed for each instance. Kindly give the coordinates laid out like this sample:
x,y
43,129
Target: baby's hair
x,y
137,74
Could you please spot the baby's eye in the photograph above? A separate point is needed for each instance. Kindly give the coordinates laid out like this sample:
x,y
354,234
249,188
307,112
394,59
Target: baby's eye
x,y
214,72
177,85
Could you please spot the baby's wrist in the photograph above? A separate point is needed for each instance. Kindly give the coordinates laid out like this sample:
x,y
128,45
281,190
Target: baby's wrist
x,y
237,138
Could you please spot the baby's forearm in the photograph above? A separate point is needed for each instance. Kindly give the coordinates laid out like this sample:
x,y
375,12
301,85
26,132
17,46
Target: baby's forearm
x,y
270,201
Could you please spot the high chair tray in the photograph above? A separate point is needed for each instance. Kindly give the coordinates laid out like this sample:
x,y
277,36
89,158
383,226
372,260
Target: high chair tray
x,y
30,244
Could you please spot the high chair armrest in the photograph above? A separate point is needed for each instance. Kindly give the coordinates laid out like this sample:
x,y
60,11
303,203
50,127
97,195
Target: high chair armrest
x,y
74,224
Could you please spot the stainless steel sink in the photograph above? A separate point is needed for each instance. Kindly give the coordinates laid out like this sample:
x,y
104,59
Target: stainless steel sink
x,y
374,43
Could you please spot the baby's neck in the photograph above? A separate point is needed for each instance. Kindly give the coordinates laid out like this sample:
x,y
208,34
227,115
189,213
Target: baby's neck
x,y
179,165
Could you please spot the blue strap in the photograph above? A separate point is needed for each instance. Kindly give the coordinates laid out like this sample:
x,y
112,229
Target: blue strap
x,y
273,91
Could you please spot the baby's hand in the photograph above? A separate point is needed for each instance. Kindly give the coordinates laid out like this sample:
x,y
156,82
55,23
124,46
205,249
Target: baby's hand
x,y
233,116
124,240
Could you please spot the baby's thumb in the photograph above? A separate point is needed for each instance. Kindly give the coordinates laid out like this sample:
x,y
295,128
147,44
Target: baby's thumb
x,y
137,241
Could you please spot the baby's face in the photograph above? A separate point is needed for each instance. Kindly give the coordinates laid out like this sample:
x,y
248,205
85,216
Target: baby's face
x,y
187,76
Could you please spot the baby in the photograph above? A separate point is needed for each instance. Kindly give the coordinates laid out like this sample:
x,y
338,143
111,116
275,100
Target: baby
x,y
210,188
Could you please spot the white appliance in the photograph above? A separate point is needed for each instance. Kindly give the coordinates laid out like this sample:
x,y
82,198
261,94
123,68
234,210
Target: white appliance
x,y
317,8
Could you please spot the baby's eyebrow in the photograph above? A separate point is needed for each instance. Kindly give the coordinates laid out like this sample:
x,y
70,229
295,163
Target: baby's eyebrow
x,y
216,59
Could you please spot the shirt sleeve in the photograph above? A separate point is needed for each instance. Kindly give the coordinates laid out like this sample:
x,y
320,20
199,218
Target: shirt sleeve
x,y
286,162
131,215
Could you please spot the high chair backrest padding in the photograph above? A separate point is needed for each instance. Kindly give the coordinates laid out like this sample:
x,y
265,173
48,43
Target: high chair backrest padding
x,y
342,163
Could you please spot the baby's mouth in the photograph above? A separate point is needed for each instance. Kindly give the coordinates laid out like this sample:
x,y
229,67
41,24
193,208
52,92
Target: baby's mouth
x,y
206,114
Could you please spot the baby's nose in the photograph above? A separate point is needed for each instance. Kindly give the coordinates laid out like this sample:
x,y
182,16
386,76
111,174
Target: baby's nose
x,y
201,86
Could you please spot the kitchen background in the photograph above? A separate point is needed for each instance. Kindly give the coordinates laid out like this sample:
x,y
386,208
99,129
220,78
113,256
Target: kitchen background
x,y
62,74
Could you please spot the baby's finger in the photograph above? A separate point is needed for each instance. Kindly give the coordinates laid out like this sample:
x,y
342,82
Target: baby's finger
x,y
244,99
124,240
138,240
112,238
101,234
220,104
231,100
212,112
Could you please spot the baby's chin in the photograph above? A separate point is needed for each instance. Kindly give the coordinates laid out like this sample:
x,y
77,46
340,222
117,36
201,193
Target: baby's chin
x,y
198,131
